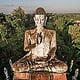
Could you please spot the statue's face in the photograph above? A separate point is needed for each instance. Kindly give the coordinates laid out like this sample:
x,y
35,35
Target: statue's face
x,y
39,20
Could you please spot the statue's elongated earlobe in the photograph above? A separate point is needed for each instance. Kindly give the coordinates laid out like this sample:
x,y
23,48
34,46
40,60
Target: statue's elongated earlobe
x,y
45,21
34,18
46,18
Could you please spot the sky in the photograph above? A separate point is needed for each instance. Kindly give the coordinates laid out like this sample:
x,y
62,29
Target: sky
x,y
29,6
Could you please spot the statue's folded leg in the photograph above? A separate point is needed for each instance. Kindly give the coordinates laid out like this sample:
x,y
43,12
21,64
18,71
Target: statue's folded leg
x,y
39,66
58,66
20,67
22,64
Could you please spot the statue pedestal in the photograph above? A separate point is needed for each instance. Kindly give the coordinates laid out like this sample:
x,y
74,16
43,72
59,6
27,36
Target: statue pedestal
x,y
22,76
39,76
42,76
61,76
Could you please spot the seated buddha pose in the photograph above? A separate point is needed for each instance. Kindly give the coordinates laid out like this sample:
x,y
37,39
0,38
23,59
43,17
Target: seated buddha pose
x,y
40,45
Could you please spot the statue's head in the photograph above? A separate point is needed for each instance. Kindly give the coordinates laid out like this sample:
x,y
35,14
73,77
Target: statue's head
x,y
40,17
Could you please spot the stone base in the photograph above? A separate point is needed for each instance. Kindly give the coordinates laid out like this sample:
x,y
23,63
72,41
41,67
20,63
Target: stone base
x,y
22,76
42,76
39,76
60,76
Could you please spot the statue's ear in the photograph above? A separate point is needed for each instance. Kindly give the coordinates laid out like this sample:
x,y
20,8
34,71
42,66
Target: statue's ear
x,y
34,18
45,21
46,18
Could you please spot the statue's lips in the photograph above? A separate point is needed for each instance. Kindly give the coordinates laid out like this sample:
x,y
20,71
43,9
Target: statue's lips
x,y
39,25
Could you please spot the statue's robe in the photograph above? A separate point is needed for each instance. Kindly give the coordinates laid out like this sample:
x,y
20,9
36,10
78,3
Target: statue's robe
x,y
41,49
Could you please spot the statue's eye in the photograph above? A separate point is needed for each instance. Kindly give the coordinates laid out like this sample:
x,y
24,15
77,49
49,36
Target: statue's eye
x,y
37,19
42,19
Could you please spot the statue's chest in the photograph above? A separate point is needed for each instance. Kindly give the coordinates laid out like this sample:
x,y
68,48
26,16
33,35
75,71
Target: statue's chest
x,y
39,38
42,45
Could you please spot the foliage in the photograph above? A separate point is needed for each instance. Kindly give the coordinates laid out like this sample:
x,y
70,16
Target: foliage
x,y
74,31
2,18
18,13
3,32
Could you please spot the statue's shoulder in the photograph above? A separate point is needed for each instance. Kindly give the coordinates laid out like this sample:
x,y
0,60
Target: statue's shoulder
x,y
32,31
50,32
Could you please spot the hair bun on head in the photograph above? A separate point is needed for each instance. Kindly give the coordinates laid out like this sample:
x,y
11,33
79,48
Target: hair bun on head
x,y
40,11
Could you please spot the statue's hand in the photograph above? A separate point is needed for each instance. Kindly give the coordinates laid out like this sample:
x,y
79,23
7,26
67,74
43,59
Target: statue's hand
x,y
48,58
51,54
31,46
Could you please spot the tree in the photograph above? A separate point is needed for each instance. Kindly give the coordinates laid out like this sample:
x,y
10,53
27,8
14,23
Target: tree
x,y
3,33
75,33
18,13
2,18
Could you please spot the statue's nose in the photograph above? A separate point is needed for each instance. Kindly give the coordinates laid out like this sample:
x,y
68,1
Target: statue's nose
x,y
40,21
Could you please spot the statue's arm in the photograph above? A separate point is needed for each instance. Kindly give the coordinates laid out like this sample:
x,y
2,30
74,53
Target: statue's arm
x,y
26,41
52,51
28,45
53,42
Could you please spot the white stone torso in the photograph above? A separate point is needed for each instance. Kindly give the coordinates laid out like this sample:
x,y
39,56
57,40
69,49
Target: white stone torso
x,y
42,49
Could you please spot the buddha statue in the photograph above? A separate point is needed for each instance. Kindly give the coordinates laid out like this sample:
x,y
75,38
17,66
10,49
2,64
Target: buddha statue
x,y
40,45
